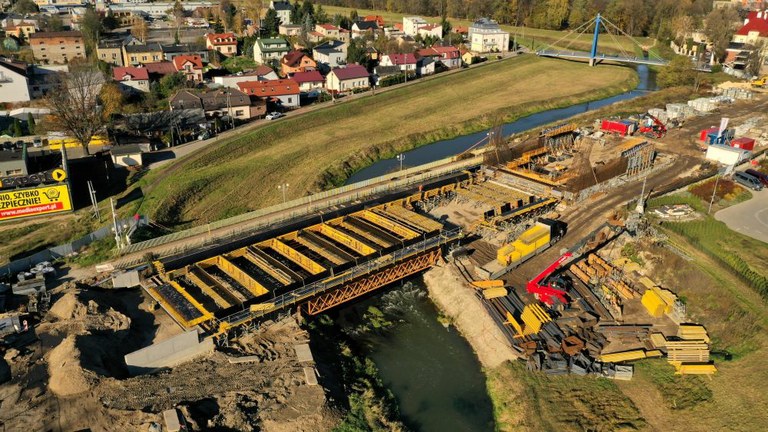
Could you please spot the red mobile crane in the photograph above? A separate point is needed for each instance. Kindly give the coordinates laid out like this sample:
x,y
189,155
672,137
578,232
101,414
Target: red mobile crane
x,y
546,293
657,130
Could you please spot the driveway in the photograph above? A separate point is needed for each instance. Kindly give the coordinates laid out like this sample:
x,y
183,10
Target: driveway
x,y
750,217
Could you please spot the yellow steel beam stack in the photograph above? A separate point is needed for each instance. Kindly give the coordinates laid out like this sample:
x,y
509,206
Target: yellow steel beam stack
x,y
623,356
694,368
688,351
692,332
658,301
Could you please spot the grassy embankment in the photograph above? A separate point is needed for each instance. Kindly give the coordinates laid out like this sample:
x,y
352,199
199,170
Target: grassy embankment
x,y
719,294
322,148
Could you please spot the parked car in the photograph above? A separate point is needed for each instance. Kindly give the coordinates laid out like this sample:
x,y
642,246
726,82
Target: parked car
x,y
748,180
37,142
274,115
760,176
19,144
7,145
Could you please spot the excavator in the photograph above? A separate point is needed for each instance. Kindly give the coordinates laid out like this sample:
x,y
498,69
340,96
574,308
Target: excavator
x,y
548,294
760,82
655,130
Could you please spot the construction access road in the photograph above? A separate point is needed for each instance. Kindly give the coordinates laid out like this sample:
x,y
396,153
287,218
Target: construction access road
x,y
749,217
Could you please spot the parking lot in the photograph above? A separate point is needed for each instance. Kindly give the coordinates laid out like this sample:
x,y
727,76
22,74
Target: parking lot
x,y
750,217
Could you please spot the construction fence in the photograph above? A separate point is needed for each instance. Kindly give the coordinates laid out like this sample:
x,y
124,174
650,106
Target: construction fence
x,y
274,216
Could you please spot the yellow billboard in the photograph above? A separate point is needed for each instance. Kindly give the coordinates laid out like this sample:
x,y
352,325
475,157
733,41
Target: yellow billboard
x,y
34,202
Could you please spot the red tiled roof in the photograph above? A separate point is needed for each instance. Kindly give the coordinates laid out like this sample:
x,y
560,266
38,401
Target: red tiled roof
x,y
350,72
293,58
222,38
755,24
399,26
317,34
307,77
136,73
269,88
160,68
259,71
461,29
178,61
429,27
328,26
401,59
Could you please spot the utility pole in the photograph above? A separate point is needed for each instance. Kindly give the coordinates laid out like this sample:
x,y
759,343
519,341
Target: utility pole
x,y
640,208
401,158
283,188
94,203
118,237
714,191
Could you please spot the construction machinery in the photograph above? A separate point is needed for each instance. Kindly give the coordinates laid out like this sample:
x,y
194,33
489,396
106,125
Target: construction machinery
x,y
652,127
760,82
549,294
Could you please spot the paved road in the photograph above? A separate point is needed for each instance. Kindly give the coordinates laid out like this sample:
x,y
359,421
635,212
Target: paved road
x,y
750,217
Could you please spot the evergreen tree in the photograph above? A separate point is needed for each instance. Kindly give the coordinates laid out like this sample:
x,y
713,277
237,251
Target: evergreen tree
x,y
17,130
271,23
30,124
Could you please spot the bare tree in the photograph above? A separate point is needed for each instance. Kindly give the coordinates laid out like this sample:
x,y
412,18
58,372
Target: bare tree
x,y
74,104
757,58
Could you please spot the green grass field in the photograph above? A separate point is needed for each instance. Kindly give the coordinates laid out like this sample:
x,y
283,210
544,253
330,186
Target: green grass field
x,y
324,147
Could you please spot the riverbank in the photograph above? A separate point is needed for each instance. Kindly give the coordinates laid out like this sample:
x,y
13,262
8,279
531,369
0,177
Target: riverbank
x,y
458,302
322,148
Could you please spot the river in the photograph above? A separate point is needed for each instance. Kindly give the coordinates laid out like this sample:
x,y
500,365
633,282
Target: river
x,y
431,370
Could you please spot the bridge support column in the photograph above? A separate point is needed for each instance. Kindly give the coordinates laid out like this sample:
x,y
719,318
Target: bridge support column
x,y
593,52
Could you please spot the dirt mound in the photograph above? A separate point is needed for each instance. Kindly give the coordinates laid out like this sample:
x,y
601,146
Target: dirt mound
x,y
68,307
67,378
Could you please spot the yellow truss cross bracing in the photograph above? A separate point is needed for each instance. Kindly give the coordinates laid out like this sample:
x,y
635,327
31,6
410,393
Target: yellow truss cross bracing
x,y
323,252
362,286
327,245
292,254
237,274
348,241
253,256
388,224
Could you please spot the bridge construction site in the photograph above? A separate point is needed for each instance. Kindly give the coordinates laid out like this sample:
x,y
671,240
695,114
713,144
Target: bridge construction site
x,y
496,210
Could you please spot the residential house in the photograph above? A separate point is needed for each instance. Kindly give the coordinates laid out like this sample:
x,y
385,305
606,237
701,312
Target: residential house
x,y
329,31
406,62
412,24
14,82
134,55
283,92
380,72
466,56
224,43
44,78
426,66
261,73
344,35
13,163
190,65
265,50
315,37
346,79
21,30
110,52
289,29
362,28
219,103
296,61
485,35
171,51
131,80
378,19
431,30
754,32
309,82
158,70
57,47
283,9
330,53
372,53
449,56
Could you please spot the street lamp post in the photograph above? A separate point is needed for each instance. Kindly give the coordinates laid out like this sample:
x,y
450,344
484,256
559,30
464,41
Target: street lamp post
x,y
401,158
283,188
714,191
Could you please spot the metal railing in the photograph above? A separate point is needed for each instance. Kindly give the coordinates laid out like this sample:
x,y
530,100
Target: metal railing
x,y
300,207
300,294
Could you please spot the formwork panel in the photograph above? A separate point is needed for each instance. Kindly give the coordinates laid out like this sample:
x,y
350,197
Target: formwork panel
x,y
300,259
324,248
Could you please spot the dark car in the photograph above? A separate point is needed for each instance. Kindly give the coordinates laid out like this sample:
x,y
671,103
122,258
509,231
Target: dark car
x,y
760,176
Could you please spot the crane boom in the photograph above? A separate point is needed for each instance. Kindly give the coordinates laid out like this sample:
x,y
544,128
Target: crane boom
x,y
546,293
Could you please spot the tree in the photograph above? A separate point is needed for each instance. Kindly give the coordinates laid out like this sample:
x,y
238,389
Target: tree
x,y
356,52
756,59
51,23
111,99
307,8
17,130
719,27
75,106
447,27
25,7
271,23
353,16
140,29
110,22
90,27
321,17
295,15
678,73
30,124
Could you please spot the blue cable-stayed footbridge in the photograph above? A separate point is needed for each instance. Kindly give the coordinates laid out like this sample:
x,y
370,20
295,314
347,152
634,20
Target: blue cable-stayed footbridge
x,y
600,24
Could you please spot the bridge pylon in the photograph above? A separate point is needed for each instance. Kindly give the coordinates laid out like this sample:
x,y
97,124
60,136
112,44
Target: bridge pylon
x,y
595,37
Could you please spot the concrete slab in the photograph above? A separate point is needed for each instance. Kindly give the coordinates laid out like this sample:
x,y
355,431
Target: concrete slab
x,y
750,217
303,353
129,279
310,376
168,353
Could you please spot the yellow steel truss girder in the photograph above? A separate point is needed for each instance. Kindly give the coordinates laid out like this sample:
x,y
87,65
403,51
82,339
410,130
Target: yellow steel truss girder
x,y
240,276
299,258
369,235
388,224
208,290
419,221
365,285
261,263
205,314
352,243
